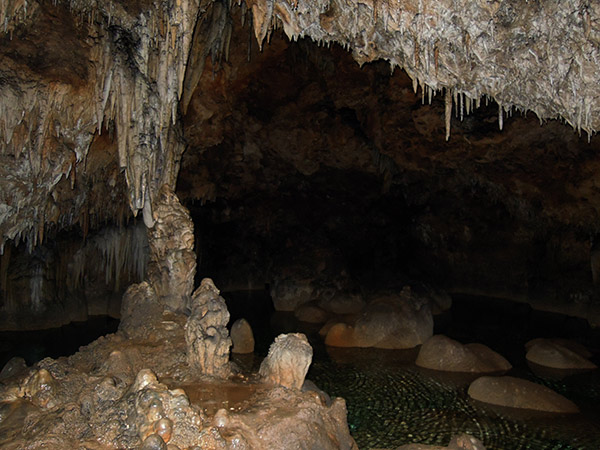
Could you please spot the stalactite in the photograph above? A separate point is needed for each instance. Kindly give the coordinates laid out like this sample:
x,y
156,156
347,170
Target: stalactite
x,y
448,112
122,251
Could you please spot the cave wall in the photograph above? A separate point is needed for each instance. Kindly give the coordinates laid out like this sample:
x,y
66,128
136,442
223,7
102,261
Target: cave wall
x,y
301,141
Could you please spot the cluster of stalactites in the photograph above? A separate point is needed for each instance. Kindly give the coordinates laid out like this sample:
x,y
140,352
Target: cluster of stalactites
x,y
133,91
122,251
538,56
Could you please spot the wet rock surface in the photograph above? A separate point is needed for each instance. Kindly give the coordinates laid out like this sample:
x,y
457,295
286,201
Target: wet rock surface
x,y
393,321
461,442
558,354
242,337
442,353
130,391
519,393
288,361
206,332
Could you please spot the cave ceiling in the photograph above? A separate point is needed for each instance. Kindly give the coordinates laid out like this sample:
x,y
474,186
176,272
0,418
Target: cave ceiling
x,y
100,100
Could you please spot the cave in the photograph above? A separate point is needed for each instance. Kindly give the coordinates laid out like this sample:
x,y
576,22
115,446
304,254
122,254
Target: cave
x,y
400,199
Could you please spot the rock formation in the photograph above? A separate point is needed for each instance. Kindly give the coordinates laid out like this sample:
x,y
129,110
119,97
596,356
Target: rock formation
x,y
552,354
460,442
99,100
172,264
391,321
206,332
242,337
519,393
288,361
442,353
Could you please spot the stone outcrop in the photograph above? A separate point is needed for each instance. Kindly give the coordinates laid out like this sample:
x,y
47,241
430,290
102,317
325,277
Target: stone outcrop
x,y
172,261
519,393
206,333
460,442
242,337
442,353
287,363
141,309
553,354
288,420
397,321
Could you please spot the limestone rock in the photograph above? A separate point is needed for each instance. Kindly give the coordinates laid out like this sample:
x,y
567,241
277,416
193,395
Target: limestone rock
x,y
288,294
140,309
572,345
311,313
343,302
287,363
460,442
288,419
445,354
518,393
552,354
242,337
13,366
172,261
206,333
394,321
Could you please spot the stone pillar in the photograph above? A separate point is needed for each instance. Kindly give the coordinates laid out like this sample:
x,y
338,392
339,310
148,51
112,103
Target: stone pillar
x,y
206,333
172,261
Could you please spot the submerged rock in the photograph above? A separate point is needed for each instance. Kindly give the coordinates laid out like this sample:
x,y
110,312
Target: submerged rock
x,y
460,442
288,361
311,313
518,393
206,333
445,354
556,354
242,337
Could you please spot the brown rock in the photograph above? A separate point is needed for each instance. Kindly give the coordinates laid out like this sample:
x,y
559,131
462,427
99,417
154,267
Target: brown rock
x,y
288,361
551,354
206,333
460,442
443,353
311,313
518,393
392,321
242,337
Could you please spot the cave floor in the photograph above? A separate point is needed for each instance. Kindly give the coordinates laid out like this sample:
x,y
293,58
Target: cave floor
x,y
391,401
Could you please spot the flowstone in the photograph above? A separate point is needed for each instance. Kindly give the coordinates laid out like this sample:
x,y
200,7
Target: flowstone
x,y
206,333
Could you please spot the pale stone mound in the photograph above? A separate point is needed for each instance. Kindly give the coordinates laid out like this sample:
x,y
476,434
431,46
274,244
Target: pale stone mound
x,y
242,337
206,334
288,361
518,393
556,354
460,442
392,321
445,354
